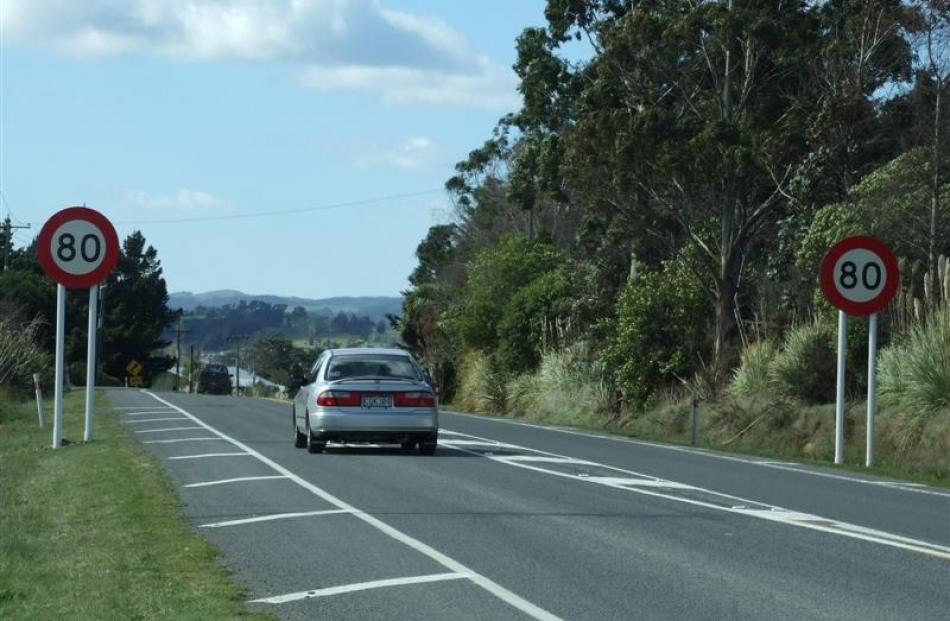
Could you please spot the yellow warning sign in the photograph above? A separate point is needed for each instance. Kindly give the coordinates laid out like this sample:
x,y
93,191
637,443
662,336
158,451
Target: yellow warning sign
x,y
134,368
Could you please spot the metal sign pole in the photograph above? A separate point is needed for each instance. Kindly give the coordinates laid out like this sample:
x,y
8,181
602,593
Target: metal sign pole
x,y
872,388
91,361
58,373
839,397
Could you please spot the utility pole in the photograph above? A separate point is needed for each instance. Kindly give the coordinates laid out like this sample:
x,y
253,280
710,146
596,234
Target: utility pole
x,y
191,372
178,354
237,361
6,237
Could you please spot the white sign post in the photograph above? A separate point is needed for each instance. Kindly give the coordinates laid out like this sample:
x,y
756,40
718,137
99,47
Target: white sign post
x,y
91,361
58,371
872,388
860,276
77,248
840,386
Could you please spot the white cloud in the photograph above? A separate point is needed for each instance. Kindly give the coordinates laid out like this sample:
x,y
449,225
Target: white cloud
x,y
185,199
415,153
487,87
355,46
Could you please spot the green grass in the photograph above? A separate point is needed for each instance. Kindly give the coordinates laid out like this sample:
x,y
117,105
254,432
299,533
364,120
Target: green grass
x,y
95,531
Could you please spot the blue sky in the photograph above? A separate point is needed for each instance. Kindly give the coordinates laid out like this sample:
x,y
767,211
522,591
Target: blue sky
x,y
174,109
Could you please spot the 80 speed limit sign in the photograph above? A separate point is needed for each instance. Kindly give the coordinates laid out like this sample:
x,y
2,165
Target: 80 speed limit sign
x,y
78,247
859,275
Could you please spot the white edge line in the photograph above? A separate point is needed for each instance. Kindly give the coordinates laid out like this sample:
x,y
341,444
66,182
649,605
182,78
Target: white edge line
x,y
775,514
360,586
144,412
202,455
789,466
234,480
509,597
273,516
168,429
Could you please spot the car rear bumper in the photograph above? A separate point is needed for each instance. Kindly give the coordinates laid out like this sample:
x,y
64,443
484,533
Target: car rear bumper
x,y
340,426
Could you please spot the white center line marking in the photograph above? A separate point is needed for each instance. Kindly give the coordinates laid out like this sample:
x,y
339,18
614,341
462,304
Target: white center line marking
x,y
153,420
168,429
622,481
235,480
542,458
273,516
203,455
787,466
512,599
179,440
768,512
360,586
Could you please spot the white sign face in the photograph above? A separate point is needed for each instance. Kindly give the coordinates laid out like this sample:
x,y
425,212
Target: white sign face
x,y
860,275
78,247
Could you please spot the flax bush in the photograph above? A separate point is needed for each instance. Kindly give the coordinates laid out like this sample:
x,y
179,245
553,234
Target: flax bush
x,y
753,375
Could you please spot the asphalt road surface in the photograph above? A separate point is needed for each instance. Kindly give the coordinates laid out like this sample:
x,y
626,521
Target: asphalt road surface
x,y
516,521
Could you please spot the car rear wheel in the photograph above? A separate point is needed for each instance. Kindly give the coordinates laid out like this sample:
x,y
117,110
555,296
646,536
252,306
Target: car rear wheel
x,y
300,439
427,447
313,445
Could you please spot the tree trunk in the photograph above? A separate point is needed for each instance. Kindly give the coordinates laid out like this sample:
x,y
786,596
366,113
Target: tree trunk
x,y
935,187
726,290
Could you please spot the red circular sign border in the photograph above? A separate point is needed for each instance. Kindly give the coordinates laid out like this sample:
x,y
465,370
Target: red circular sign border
x,y
827,277
45,256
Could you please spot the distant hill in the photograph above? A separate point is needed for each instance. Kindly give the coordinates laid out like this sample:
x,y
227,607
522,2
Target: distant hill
x,y
375,308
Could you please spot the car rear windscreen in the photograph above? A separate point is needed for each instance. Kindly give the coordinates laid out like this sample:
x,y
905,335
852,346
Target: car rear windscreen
x,y
371,366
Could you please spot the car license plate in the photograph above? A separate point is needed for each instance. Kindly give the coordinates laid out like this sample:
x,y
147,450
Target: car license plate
x,y
377,401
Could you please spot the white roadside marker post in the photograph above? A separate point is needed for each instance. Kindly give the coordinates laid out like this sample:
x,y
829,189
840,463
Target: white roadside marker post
x,y
91,361
39,399
839,390
872,388
58,372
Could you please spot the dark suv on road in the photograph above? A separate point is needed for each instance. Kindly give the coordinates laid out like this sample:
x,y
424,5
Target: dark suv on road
x,y
214,379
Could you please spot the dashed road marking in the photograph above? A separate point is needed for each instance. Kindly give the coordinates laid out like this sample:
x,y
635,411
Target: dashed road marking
x,y
168,429
273,516
139,421
175,441
361,586
512,599
234,480
204,455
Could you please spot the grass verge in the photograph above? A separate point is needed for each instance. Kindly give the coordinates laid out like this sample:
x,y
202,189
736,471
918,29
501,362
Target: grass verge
x,y
94,531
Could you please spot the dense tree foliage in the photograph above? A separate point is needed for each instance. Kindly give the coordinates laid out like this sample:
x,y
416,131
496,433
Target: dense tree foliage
x,y
669,196
134,309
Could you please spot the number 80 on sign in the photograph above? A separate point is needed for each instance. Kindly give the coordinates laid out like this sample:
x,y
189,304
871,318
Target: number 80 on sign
x,y
78,247
859,275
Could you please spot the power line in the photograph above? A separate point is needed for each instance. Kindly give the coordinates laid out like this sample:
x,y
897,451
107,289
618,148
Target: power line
x,y
283,212
9,209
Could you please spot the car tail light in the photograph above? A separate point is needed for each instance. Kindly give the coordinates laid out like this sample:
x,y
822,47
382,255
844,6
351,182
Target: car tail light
x,y
414,400
338,398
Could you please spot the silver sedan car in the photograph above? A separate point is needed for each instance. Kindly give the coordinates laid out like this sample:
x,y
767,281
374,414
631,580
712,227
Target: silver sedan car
x,y
366,395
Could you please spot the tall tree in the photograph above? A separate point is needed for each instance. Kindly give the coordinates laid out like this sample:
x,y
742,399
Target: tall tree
x,y
136,312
